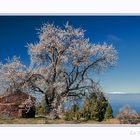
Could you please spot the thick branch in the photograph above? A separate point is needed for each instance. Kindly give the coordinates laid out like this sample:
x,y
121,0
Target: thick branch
x,y
91,65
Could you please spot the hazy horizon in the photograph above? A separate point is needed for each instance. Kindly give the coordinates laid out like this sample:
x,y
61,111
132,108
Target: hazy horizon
x,y
122,92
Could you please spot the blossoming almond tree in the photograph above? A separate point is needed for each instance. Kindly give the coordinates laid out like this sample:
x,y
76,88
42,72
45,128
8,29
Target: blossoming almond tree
x,y
12,74
64,58
61,65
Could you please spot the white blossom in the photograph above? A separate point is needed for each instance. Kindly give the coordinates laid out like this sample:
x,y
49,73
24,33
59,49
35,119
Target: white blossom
x,y
60,63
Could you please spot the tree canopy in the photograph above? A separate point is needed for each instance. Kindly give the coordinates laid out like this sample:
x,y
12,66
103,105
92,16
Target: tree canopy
x,y
61,63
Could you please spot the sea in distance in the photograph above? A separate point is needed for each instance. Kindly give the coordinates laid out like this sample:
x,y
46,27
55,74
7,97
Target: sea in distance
x,y
118,100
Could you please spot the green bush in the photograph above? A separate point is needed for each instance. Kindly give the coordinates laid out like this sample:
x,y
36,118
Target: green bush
x,y
108,112
39,109
95,107
72,113
90,110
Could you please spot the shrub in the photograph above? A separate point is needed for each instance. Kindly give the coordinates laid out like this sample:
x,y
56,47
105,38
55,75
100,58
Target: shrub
x,y
39,109
127,116
90,110
108,112
96,107
102,105
72,113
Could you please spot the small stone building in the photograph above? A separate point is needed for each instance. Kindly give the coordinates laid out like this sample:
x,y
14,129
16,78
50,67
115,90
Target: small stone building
x,y
17,105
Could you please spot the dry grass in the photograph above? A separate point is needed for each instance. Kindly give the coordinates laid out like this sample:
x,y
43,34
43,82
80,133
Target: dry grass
x,y
23,121
111,121
58,121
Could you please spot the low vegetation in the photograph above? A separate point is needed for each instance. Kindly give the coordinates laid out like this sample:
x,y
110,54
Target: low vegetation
x,y
95,107
128,116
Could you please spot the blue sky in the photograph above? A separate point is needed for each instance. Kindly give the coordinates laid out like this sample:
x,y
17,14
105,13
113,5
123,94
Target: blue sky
x,y
122,31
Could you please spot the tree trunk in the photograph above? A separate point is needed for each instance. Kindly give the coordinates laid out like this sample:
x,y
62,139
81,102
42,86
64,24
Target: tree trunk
x,y
53,109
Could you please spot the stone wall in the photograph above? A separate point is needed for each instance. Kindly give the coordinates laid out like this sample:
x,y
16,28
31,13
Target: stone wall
x,y
10,105
8,110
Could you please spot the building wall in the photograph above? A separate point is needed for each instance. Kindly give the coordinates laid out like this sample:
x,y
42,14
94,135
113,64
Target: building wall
x,y
10,102
8,110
